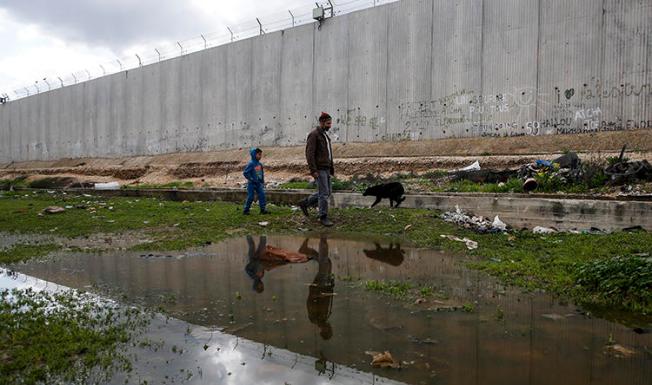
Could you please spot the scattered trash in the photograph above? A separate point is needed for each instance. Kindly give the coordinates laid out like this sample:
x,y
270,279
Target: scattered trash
x,y
469,221
633,228
470,244
107,186
475,166
383,360
264,224
554,317
498,224
53,210
530,184
277,254
419,301
408,227
543,230
619,351
422,341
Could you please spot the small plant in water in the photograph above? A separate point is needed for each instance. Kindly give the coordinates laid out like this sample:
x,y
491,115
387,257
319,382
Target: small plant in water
x,y
468,307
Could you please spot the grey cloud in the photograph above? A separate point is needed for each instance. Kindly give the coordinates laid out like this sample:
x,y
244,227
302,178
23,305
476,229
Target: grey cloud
x,y
116,23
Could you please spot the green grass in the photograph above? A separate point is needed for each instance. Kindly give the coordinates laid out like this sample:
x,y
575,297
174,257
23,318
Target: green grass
x,y
297,185
337,185
20,253
20,181
525,259
513,185
65,337
612,280
398,289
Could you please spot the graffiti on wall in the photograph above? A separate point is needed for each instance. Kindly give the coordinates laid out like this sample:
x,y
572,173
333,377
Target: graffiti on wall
x,y
589,108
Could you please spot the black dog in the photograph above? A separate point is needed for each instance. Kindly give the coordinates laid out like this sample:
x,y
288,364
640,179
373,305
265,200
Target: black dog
x,y
394,191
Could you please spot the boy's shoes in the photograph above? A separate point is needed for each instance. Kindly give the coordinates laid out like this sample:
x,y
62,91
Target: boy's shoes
x,y
245,213
304,208
265,212
326,222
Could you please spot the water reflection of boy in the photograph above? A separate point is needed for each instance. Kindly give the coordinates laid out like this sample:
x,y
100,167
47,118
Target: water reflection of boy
x,y
320,292
255,269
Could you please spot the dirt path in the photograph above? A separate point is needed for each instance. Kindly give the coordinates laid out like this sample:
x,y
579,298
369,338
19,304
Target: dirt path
x,y
223,168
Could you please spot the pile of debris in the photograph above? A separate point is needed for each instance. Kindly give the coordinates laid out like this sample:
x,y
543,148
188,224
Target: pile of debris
x,y
478,224
568,169
565,169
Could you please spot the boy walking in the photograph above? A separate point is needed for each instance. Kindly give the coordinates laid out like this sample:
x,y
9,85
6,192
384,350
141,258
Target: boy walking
x,y
255,176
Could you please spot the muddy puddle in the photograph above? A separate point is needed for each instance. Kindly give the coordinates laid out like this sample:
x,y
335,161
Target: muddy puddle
x,y
471,331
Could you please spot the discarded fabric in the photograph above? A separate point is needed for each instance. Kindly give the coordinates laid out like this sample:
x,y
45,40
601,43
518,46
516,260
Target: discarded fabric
x,y
543,230
470,244
383,360
53,210
472,167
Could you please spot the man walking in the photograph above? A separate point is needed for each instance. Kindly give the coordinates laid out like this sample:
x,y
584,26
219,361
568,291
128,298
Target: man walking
x,y
319,155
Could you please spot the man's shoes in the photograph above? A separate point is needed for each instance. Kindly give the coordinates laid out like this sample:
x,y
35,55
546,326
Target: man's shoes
x,y
326,222
265,212
304,208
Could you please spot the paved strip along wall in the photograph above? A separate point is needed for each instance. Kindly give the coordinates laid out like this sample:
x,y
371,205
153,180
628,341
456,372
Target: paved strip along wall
x,y
415,69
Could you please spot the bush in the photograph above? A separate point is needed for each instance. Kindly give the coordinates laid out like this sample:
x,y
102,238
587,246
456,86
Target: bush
x,y
619,281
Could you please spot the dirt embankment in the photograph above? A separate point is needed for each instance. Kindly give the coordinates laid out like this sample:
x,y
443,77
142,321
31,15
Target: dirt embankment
x,y
223,168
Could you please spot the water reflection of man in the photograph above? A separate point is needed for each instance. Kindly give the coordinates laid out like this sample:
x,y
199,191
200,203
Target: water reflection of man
x,y
320,292
255,269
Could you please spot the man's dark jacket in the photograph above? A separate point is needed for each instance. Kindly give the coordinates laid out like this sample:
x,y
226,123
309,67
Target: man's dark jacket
x,y
317,152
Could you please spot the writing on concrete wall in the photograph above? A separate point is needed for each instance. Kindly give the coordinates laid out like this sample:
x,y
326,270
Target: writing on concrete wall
x,y
526,112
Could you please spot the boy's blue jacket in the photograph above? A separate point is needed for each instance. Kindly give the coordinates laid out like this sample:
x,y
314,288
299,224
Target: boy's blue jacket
x,y
254,170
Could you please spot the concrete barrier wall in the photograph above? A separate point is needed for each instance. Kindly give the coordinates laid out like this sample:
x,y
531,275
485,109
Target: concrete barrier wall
x,y
411,70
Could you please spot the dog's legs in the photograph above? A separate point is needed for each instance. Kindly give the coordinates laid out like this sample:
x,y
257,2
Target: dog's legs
x,y
399,200
376,202
391,202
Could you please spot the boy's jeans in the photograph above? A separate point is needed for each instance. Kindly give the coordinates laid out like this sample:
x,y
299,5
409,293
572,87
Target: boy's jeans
x,y
322,194
259,190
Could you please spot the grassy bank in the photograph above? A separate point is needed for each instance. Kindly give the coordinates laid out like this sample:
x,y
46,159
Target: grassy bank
x,y
65,337
559,263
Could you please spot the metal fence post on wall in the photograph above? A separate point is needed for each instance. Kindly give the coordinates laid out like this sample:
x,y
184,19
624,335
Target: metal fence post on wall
x,y
230,32
119,63
260,25
292,16
202,36
180,46
61,80
89,74
140,62
159,54
74,77
103,70
48,83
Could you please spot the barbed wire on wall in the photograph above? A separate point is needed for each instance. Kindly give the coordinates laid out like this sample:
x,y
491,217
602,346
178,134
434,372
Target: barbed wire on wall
x,y
257,26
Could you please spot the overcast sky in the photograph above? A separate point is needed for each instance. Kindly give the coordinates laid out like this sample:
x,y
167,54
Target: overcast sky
x,y
41,38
